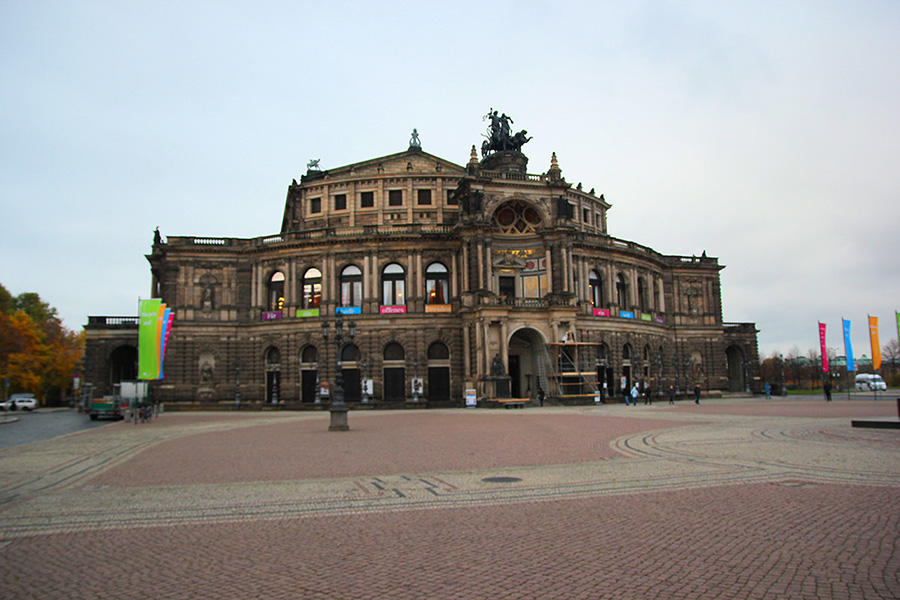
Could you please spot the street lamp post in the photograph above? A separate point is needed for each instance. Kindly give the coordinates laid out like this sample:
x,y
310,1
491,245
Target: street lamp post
x,y
338,408
363,363
416,387
783,385
746,365
238,363
676,361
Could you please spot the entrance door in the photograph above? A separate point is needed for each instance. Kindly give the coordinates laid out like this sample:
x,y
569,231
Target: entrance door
x,y
438,384
394,384
308,378
352,385
515,374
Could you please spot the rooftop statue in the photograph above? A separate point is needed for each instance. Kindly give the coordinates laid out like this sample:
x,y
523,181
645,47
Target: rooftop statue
x,y
499,135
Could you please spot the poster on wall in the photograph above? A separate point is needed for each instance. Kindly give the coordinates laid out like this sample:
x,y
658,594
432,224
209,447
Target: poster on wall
x,y
471,398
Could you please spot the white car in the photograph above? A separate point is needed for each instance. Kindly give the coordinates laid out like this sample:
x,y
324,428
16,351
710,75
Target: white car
x,y
20,401
867,382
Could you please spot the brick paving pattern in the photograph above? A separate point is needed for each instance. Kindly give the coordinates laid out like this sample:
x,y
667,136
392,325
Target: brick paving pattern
x,y
728,499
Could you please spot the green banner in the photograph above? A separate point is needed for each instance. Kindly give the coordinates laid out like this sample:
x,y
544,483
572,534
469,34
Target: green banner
x,y
148,348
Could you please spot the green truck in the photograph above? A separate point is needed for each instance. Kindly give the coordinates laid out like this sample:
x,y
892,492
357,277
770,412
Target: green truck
x,y
126,395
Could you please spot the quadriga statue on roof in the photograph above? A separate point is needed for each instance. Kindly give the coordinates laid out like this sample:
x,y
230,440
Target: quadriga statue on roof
x,y
499,135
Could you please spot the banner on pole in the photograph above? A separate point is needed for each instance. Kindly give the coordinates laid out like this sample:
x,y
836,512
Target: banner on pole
x,y
848,346
824,347
873,340
154,325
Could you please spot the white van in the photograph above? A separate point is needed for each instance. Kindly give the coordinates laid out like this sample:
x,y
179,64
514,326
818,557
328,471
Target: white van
x,y
867,382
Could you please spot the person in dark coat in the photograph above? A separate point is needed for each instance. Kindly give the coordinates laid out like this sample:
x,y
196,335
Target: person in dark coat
x,y
671,394
697,394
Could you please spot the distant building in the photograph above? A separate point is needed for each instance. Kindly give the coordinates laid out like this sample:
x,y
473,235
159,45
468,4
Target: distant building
x,y
478,277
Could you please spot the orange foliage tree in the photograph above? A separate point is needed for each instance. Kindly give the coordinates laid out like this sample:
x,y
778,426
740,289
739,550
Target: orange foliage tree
x,y
37,354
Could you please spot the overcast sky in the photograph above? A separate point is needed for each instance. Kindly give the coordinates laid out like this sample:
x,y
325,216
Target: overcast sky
x,y
764,133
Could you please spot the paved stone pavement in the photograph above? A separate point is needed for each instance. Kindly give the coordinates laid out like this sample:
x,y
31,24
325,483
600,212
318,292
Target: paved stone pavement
x,y
734,498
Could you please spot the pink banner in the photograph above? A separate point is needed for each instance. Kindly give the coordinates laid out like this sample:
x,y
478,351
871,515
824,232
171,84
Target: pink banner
x,y
824,348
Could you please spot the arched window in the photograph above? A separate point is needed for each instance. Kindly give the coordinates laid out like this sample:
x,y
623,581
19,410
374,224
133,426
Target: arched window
x,y
312,288
437,284
621,292
642,295
394,351
393,284
438,351
309,355
595,289
626,352
351,286
276,291
350,353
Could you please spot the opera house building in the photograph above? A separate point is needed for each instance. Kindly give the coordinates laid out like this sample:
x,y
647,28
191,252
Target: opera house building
x,y
429,283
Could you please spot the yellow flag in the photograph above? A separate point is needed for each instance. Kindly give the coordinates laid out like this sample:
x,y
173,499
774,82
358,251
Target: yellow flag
x,y
873,339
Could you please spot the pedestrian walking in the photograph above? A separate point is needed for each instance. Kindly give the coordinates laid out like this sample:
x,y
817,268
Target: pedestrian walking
x,y
768,391
671,394
627,395
648,395
697,394
827,387
541,395
634,395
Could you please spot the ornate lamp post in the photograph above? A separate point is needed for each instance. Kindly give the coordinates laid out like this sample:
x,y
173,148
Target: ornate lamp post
x,y
659,366
363,363
338,408
416,388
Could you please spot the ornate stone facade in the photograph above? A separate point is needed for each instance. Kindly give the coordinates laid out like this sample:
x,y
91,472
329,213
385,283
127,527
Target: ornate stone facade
x,y
480,277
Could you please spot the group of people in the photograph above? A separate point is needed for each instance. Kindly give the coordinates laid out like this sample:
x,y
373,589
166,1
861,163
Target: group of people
x,y
646,392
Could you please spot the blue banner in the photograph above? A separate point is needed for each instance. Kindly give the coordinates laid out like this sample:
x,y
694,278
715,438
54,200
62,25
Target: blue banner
x,y
848,347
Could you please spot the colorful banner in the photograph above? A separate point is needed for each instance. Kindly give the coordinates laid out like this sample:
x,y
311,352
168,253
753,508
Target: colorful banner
x,y
848,346
438,308
154,326
873,340
824,347
392,310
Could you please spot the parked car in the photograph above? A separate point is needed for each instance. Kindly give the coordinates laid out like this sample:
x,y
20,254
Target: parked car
x,y
20,401
867,382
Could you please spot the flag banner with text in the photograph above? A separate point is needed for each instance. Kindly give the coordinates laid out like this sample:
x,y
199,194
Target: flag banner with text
x,y
824,348
154,325
848,346
873,340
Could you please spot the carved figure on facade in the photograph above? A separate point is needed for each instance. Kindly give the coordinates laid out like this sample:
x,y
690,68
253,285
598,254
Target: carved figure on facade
x,y
497,368
499,135
206,373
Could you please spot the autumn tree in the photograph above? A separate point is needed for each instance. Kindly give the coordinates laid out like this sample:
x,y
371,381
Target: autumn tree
x,y
37,354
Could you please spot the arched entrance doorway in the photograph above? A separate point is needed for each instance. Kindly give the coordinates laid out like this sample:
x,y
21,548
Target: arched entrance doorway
x,y
123,364
527,361
735,358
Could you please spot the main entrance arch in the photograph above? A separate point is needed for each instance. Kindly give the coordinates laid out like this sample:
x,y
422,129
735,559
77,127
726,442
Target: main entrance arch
x,y
527,363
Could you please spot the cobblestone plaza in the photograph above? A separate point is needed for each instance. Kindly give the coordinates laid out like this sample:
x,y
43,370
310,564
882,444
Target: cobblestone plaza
x,y
732,498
